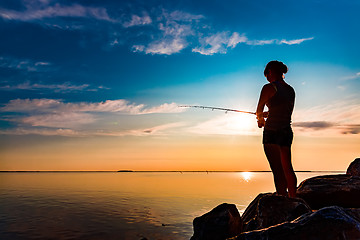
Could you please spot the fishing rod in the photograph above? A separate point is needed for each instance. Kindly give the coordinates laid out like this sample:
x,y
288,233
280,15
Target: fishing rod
x,y
217,108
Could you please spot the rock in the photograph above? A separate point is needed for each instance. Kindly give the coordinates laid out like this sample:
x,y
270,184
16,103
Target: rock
x,y
354,168
328,223
269,209
339,190
222,222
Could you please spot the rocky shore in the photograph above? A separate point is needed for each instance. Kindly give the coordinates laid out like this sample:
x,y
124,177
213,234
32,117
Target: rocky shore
x,y
326,207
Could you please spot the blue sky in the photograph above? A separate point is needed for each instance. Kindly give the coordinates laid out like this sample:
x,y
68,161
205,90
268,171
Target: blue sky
x,y
120,68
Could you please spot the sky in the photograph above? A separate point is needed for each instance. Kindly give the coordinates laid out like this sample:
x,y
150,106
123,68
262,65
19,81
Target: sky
x,y
97,85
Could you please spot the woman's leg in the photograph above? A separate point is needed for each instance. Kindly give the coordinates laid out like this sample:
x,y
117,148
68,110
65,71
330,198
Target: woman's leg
x,y
288,170
273,154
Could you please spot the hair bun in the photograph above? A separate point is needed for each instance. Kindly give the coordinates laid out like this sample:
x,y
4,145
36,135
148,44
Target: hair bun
x,y
284,68
277,66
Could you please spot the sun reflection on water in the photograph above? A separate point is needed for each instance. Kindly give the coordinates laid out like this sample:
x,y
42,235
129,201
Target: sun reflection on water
x,y
246,176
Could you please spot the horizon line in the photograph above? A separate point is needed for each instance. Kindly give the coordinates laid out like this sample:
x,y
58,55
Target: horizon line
x,y
154,171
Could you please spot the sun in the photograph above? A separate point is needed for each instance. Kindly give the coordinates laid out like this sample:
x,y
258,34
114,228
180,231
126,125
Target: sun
x,y
242,124
229,124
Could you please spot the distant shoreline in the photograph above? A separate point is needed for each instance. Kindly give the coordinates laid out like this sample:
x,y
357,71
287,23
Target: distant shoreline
x,y
154,171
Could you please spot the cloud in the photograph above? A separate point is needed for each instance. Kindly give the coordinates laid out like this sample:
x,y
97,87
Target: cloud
x,y
181,16
33,116
332,126
294,41
24,64
114,106
54,117
138,48
138,21
331,119
260,42
166,46
235,39
352,77
314,125
219,43
41,131
40,10
351,129
67,132
59,120
174,29
163,108
32,66
29,105
162,32
156,130
277,41
63,87
346,111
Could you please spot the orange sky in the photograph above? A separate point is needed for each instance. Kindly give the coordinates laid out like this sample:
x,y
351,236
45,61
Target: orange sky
x,y
172,153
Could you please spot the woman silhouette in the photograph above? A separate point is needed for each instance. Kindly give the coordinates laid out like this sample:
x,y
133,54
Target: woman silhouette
x,y
279,97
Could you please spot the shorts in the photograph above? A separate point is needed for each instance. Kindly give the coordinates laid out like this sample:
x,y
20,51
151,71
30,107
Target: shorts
x,y
281,137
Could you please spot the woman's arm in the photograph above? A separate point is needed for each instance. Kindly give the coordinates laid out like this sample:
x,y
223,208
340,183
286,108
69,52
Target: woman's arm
x,y
266,93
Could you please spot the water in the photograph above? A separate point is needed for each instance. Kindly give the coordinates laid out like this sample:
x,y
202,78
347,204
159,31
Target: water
x,y
126,206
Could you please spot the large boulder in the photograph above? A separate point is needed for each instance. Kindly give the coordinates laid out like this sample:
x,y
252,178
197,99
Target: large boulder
x,y
269,209
354,168
222,222
331,190
329,223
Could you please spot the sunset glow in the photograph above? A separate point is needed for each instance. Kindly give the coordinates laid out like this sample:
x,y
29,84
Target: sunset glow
x,y
97,85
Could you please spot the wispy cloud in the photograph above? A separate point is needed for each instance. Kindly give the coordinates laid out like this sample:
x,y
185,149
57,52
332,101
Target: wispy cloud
x,y
63,87
67,132
162,32
260,42
32,66
41,131
55,105
24,64
174,29
59,120
325,127
34,116
138,20
164,46
352,77
222,41
317,125
334,118
294,41
156,130
278,42
219,43
235,39
39,10
351,129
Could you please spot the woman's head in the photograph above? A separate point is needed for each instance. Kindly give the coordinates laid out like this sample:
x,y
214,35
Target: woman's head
x,y
276,67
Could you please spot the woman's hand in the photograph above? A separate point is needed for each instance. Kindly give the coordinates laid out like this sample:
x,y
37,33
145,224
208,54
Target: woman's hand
x,y
261,122
261,119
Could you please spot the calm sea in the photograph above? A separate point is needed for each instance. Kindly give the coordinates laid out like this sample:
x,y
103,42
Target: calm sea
x,y
125,205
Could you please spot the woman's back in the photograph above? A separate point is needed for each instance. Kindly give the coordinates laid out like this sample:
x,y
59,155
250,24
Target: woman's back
x,y
280,106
